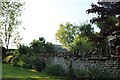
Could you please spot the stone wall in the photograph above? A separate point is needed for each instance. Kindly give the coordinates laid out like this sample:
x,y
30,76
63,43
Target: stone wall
x,y
84,63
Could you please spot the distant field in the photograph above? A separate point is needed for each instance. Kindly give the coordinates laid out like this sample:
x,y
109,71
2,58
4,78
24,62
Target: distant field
x,y
10,72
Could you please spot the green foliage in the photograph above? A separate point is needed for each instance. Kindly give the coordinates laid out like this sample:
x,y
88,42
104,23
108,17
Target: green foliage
x,y
16,73
23,49
30,62
70,72
86,30
82,44
81,73
6,60
20,63
30,57
49,47
75,37
66,34
40,46
55,70
108,20
10,56
93,72
37,63
11,10
37,46
17,62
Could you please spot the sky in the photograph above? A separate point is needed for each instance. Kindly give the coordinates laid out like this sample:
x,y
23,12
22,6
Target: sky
x,y
43,17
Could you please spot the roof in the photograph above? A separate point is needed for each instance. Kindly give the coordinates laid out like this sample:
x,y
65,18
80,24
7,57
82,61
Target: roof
x,y
58,48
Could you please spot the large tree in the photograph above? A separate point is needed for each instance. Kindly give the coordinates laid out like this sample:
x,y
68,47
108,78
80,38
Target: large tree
x,y
66,34
74,37
11,11
108,20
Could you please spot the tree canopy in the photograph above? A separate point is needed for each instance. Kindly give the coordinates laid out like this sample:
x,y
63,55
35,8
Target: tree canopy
x,y
108,20
66,34
11,11
75,37
41,46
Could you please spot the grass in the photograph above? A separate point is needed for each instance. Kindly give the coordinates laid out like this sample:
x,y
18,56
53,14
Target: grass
x,y
0,70
11,72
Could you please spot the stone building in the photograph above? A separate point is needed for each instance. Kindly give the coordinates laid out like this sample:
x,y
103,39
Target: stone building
x,y
59,49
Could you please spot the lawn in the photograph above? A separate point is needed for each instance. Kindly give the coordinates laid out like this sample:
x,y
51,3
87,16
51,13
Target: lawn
x,y
10,72
0,70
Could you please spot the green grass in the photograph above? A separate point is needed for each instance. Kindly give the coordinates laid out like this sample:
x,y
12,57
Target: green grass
x,y
0,70
19,73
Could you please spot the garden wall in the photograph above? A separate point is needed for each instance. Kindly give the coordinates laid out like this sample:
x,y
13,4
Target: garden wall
x,y
103,63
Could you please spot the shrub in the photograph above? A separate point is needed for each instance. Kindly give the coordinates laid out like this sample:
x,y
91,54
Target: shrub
x,y
55,70
17,61
93,72
7,59
23,49
81,73
10,55
30,62
14,61
38,64
70,72
27,59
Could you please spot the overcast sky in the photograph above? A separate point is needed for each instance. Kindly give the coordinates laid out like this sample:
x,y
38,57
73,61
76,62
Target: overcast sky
x,y
42,17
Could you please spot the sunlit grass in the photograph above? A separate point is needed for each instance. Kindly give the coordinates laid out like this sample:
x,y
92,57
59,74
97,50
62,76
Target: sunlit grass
x,y
19,73
0,70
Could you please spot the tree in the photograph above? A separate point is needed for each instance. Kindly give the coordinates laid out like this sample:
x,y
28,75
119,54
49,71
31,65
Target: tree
x,y
82,44
24,49
41,46
49,47
38,46
66,34
11,11
74,37
108,21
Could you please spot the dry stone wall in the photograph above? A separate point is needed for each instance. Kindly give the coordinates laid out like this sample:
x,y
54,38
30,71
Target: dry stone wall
x,y
102,63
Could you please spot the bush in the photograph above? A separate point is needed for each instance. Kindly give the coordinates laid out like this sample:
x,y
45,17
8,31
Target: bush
x,y
81,73
8,58
17,61
38,64
27,59
23,49
93,72
70,72
10,55
30,62
55,70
